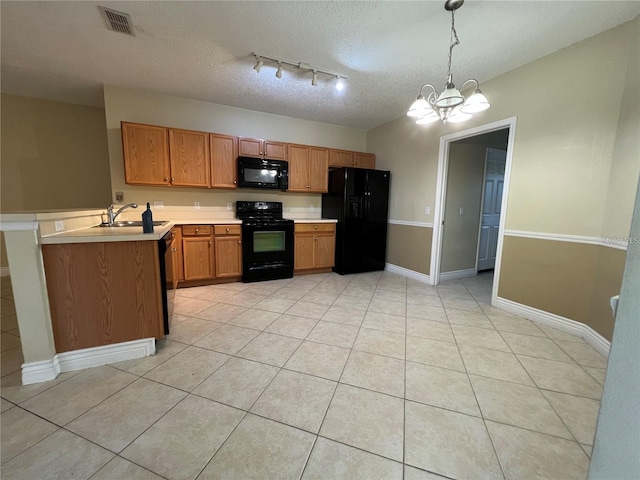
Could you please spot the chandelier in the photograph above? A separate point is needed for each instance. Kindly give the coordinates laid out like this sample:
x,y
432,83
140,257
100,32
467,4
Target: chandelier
x,y
450,105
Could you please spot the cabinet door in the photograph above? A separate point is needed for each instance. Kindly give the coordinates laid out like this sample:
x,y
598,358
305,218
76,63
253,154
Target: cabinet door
x,y
198,257
275,150
304,245
189,154
324,250
364,160
224,154
146,154
318,169
228,256
250,147
298,168
340,158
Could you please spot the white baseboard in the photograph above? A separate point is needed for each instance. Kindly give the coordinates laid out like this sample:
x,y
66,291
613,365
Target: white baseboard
x,y
36,372
597,341
470,272
4,271
417,276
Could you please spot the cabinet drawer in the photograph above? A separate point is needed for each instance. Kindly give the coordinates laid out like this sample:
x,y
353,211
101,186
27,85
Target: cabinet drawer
x,y
315,227
228,229
196,230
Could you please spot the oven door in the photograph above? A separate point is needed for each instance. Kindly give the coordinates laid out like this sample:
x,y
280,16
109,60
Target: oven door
x,y
267,251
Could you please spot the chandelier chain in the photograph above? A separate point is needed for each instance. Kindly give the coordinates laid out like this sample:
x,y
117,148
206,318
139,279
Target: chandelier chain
x,y
454,34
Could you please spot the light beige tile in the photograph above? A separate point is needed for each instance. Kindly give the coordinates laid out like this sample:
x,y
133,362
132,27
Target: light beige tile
x,y
191,330
190,306
597,373
228,339
118,420
558,334
423,299
333,334
448,443
457,303
323,298
296,399
254,319
8,322
8,341
187,369
535,347
390,295
330,287
385,321
375,372
319,359
433,352
360,291
383,306
238,383
356,303
432,313
308,310
292,326
214,295
120,469
417,288
5,405
532,455
587,449
21,430
234,286
291,293
270,348
275,304
583,353
193,292
561,377
80,459
71,398
263,288
479,337
579,414
221,312
13,390
516,325
244,299
344,315
494,364
412,473
381,343
260,449
518,405
165,349
11,361
180,444
330,459
441,387
417,327
176,319
470,319
368,420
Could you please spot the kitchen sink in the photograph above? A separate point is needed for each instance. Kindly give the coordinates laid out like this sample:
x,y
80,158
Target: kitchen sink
x,y
131,223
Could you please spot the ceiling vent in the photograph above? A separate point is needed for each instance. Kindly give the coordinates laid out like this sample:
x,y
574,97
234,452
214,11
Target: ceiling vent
x,y
117,21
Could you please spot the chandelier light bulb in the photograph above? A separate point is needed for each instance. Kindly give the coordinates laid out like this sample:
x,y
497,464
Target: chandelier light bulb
x,y
476,103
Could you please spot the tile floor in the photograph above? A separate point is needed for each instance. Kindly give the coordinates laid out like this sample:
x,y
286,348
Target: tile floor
x,y
322,376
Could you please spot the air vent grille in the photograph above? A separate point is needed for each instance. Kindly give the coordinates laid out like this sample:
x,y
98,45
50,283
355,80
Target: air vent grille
x,y
117,21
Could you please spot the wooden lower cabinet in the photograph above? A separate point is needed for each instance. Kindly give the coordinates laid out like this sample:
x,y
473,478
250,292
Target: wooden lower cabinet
x,y
228,251
103,293
198,252
314,246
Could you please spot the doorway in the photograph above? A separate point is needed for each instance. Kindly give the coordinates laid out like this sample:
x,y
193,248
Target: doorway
x,y
467,187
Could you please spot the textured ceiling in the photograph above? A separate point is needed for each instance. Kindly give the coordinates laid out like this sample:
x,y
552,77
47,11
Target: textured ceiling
x,y
203,50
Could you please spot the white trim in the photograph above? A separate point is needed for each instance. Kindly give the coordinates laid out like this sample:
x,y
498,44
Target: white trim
x,y
4,272
8,226
411,224
417,276
597,341
469,272
561,237
35,372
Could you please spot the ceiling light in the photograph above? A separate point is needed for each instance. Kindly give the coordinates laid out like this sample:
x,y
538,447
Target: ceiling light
x,y
279,71
339,84
280,62
314,79
258,64
450,105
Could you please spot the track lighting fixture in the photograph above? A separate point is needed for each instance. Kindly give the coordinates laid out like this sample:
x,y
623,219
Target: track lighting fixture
x,y
340,79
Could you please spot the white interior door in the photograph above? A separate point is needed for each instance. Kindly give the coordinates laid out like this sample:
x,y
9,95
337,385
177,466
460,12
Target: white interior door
x,y
491,205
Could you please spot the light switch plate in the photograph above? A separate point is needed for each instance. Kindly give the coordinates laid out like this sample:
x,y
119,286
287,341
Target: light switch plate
x,y
427,210
59,225
229,207
158,204
312,208
119,197
196,205
461,210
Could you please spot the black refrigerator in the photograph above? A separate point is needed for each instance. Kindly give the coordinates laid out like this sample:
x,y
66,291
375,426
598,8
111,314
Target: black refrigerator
x,y
359,199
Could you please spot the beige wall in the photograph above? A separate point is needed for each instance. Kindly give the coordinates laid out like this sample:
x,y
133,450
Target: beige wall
x,y
464,189
157,109
403,241
54,155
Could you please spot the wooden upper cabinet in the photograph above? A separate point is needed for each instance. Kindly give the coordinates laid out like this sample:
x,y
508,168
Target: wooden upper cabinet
x,y
364,160
224,154
189,155
256,147
308,168
318,169
146,154
340,158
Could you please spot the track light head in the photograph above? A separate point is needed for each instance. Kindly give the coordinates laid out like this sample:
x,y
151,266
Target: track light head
x,y
339,83
279,71
314,79
258,64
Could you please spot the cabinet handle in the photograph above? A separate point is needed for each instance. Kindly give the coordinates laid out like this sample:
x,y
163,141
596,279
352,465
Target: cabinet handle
x,y
174,249
173,179
227,230
315,227
315,238
239,242
209,243
197,230
235,182
166,179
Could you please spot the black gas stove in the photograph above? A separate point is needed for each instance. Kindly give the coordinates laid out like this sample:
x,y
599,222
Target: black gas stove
x,y
267,241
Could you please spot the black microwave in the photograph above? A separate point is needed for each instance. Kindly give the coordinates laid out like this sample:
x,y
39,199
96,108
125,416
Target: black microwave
x,y
263,173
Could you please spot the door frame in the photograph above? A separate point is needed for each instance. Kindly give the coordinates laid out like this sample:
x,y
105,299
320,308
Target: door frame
x,y
441,192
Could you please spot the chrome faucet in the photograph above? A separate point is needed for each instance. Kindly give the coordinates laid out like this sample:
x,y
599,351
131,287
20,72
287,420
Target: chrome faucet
x,y
112,216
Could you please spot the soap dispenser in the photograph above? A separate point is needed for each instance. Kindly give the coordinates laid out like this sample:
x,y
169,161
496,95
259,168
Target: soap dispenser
x,y
147,220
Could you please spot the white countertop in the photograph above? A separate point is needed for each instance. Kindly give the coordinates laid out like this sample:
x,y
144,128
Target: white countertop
x,y
315,220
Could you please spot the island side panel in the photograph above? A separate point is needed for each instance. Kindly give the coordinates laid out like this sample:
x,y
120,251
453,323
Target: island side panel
x,y
103,293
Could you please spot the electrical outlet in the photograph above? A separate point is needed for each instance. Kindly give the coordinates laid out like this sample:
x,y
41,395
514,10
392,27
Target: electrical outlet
x,y
59,225
158,204
312,208
461,211
119,197
229,207
196,205
427,210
